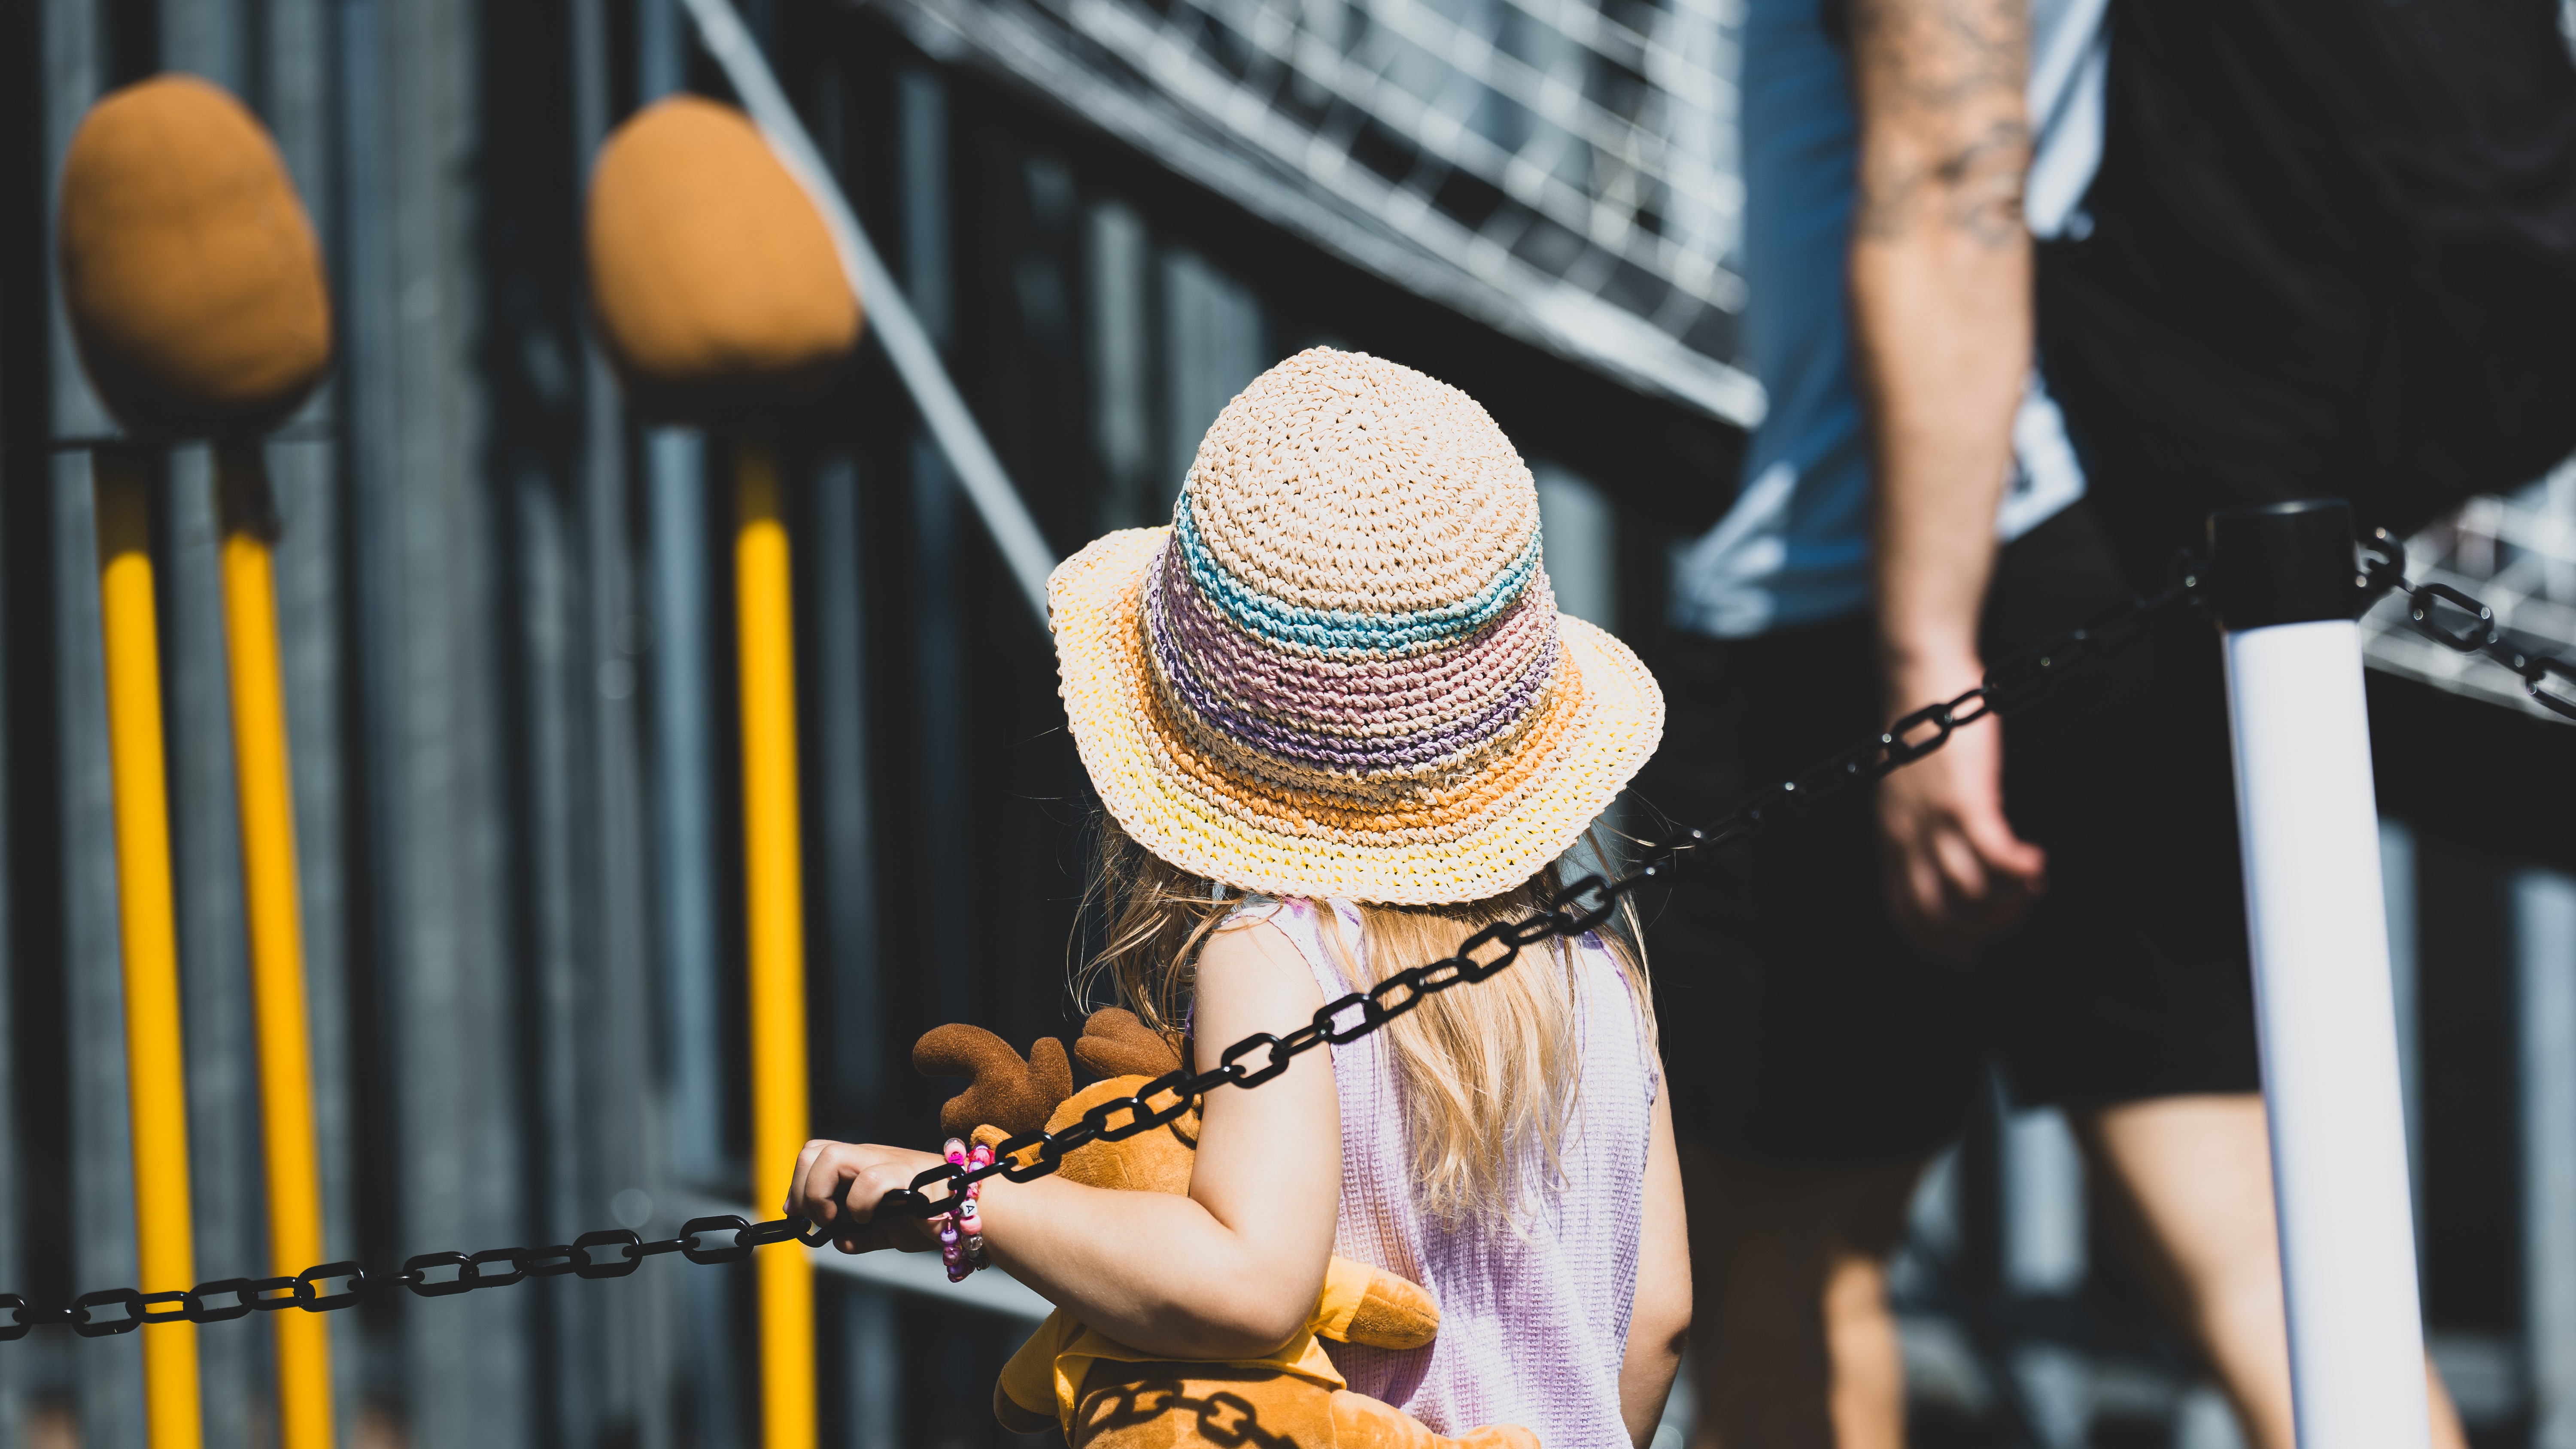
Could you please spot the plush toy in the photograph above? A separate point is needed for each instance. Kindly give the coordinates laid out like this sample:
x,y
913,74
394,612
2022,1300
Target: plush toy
x,y
1105,1395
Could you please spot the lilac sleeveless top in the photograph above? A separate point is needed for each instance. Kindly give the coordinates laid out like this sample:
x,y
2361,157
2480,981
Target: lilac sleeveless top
x,y
1534,1323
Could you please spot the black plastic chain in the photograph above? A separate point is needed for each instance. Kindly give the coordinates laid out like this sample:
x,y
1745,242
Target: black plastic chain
x,y
1572,910
610,1254
2432,608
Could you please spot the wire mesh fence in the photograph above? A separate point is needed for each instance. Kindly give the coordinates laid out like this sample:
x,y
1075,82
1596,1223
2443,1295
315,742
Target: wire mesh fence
x,y
1563,169
2516,552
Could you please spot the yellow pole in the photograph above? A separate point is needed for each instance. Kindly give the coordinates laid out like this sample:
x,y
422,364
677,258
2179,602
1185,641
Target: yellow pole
x,y
248,515
774,902
156,1083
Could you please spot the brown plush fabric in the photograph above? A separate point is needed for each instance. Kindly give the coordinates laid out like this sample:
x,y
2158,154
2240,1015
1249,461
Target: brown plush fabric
x,y
1009,1093
190,272
1115,1044
712,277
1171,1405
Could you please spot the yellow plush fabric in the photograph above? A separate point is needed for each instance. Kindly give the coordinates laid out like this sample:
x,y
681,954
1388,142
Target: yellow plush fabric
x,y
1156,1161
712,277
1102,1392
190,272
1193,1405
1360,1422
1052,1368
1172,1405
1363,1305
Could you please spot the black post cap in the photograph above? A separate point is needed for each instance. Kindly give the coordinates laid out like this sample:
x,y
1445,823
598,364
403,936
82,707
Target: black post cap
x,y
2285,563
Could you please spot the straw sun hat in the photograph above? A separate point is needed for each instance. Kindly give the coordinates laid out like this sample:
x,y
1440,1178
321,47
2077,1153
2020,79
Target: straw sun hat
x,y
1340,671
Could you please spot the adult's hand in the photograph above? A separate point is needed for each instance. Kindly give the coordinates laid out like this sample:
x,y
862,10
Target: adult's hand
x,y
1957,875
1941,319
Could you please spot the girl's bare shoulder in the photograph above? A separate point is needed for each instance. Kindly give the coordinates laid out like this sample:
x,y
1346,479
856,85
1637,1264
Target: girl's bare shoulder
x,y
1251,977
1251,948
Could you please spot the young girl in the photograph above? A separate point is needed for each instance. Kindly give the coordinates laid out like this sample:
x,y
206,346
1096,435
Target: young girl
x,y
1338,725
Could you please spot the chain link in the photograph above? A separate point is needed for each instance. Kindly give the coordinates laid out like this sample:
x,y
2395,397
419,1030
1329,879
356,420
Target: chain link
x,y
2432,607
1573,909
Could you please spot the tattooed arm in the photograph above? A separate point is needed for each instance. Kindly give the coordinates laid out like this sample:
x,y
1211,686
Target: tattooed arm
x,y
1941,322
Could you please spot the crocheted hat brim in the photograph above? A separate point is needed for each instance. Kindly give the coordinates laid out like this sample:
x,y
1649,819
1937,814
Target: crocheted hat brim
x,y
1259,838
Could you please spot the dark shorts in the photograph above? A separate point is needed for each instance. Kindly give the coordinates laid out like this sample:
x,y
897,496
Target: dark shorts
x,y
1798,1024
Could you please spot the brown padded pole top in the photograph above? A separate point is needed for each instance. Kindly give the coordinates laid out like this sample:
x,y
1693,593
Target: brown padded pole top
x,y
713,281
190,271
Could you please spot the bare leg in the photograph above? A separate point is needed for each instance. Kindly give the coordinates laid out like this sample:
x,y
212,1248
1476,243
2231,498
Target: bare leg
x,y
2189,1201
1792,1343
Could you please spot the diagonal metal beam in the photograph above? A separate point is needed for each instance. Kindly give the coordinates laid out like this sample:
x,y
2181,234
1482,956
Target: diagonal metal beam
x,y
890,316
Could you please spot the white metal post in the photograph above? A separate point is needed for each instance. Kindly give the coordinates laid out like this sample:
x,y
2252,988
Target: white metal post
x,y
2309,825
2544,930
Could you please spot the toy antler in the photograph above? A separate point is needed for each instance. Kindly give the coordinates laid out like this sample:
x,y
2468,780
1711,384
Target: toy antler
x,y
1018,1096
1115,1044
1014,1095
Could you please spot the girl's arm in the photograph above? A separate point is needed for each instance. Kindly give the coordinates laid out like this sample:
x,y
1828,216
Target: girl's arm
x,y
1659,1318
1230,1271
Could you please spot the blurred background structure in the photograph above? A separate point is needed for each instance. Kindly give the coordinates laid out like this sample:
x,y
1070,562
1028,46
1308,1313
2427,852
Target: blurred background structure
x,y
505,614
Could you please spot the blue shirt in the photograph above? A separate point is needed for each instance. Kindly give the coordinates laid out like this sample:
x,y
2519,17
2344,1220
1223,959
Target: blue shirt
x,y
1794,546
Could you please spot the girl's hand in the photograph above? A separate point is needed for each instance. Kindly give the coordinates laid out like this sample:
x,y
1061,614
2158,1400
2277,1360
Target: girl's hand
x,y
840,1183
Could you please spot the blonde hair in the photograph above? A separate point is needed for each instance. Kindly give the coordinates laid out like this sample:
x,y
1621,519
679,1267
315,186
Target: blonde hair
x,y
1489,1073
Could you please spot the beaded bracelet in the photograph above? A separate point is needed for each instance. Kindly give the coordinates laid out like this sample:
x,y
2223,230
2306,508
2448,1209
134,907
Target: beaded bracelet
x,y
951,1252
961,1232
969,1223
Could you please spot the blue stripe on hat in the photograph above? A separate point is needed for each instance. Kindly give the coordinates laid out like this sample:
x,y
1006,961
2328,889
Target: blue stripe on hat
x,y
1340,631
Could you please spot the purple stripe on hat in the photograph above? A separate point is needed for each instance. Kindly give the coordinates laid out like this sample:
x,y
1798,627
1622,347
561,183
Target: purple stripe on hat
x,y
1336,753
1322,694
1468,705
1460,732
1415,692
